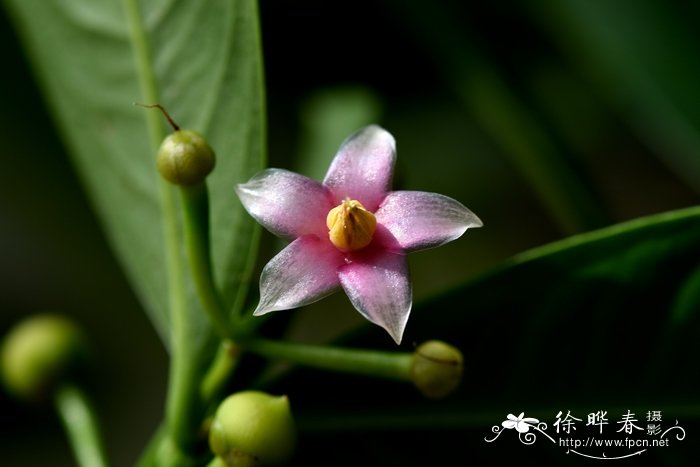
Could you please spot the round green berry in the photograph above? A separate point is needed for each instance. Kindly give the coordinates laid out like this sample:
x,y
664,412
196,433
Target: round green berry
x,y
436,369
185,158
252,428
39,353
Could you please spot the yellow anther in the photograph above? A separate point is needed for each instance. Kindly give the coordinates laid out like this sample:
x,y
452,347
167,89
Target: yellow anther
x,y
350,225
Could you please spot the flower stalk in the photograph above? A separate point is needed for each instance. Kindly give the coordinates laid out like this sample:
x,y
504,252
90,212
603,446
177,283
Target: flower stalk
x,y
220,371
195,207
434,367
389,365
185,159
81,425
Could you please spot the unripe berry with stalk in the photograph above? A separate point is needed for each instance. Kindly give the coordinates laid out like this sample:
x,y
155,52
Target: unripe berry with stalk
x,y
184,157
40,353
252,428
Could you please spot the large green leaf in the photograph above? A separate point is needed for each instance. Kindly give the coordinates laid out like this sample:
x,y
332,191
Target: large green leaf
x,y
200,59
643,56
497,108
606,320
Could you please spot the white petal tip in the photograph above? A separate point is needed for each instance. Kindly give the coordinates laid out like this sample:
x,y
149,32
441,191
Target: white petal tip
x,y
396,334
471,220
259,311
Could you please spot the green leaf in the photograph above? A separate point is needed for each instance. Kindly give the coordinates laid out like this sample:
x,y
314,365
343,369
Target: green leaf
x,y
606,320
504,116
202,61
647,68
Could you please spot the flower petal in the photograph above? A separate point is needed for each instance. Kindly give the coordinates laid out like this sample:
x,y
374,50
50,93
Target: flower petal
x,y
522,427
363,167
304,272
287,204
420,220
378,286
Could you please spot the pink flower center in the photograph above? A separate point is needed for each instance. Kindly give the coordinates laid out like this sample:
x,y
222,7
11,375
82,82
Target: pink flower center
x,y
350,225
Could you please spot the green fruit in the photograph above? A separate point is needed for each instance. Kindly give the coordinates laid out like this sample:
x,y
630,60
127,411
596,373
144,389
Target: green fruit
x,y
39,353
252,428
436,369
185,158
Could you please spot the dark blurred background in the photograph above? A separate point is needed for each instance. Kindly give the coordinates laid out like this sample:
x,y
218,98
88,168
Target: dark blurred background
x,y
545,118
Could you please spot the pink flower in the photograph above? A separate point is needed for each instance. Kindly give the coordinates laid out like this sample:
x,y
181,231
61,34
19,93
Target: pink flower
x,y
349,232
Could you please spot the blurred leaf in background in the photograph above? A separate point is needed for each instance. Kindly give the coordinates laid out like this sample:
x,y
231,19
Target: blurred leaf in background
x,y
641,56
93,61
54,257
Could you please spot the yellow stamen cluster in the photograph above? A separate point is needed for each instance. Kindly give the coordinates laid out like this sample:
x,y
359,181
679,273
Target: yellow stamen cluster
x,y
350,225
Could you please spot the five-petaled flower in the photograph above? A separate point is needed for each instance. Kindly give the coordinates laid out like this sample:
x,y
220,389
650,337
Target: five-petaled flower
x,y
350,231
521,423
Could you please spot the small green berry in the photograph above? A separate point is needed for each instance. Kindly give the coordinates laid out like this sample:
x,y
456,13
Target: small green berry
x,y
252,428
436,369
39,353
185,158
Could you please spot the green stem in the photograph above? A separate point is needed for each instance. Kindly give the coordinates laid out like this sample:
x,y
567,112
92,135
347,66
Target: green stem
x,y
195,204
149,455
81,425
220,372
390,365
182,414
